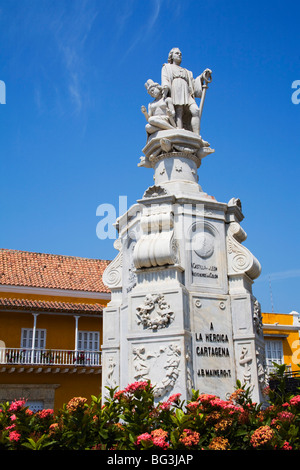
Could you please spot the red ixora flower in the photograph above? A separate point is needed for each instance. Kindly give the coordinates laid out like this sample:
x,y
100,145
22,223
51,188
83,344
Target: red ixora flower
x,y
14,436
165,405
193,405
174,398
205,398
119,394
16,405
159,437
136,386
285,416
295,400
45,413
189,438
287,446
143,437
262,436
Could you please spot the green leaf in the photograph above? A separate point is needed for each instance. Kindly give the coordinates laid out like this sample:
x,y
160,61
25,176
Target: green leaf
x,y
179,414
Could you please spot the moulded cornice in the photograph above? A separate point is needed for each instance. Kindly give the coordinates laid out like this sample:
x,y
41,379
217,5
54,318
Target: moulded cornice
x,y
55,292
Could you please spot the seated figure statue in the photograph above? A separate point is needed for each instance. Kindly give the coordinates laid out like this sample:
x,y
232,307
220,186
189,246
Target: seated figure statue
x,y
160,115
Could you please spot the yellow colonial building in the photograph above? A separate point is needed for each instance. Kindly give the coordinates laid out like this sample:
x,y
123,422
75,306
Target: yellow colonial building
x,y
50,327
281,334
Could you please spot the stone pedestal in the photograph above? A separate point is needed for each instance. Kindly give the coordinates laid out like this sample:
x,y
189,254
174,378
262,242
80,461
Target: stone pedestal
x,y
182,312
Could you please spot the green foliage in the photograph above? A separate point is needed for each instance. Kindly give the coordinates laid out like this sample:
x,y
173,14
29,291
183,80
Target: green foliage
x,y
133,419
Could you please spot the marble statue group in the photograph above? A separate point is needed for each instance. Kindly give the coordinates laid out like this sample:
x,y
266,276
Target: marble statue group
x,y
174,104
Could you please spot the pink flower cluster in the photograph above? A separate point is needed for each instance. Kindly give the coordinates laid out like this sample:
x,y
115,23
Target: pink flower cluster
x,y
287,446
14,436
119,394
262,436
174,398
131,388
193,405
143,437
189,438
214,401
16,405
205,398
285,416
136,386
166,405
157,437
295,401
45,413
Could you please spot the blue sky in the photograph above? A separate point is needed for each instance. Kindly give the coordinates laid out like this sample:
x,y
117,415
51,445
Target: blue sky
x,y
72,131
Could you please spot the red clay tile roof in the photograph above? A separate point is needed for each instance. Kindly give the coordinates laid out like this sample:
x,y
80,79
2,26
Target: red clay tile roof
x,y
24,268
48,306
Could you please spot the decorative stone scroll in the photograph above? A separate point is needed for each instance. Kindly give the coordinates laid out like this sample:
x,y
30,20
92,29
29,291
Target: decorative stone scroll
x,y
155,313
112,276
156,246
240,259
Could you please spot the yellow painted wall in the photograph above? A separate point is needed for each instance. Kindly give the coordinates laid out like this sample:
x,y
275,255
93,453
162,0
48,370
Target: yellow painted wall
x,y
291,345
60,328
60,335
281,318
70,385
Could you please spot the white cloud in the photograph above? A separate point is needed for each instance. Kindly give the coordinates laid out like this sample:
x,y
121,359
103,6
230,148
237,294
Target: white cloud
x,y
71,28
280,275
145,29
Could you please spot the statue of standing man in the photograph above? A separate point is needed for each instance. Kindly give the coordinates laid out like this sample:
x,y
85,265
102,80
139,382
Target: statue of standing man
x,y
179,84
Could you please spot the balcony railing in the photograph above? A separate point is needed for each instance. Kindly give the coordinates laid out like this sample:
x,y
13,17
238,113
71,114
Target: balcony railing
x,y
56,357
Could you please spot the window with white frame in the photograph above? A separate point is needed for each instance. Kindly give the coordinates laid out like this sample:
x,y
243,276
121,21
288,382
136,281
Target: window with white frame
x,y
88,341
30,355
274,353
27,336
88,348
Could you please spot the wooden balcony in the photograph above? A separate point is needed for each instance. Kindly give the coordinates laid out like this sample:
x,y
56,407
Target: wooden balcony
x,y
49,361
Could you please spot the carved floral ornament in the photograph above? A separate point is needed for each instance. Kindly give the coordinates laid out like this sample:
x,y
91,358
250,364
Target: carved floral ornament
x,y
154,313
144,360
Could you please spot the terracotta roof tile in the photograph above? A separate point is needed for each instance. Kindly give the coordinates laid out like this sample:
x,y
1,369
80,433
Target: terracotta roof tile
x,y
24,268
48,306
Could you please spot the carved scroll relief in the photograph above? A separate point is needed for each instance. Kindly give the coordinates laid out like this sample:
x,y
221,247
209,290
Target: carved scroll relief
x,y
240,259
112,276
157,246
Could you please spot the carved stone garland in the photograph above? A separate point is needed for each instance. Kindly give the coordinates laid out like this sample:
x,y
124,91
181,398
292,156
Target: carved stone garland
x,y
155,313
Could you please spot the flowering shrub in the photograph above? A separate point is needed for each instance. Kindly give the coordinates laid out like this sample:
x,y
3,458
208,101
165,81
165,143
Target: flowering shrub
x,y
131,419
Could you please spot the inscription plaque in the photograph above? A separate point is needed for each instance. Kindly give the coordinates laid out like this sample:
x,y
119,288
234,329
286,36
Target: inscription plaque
x,y
213,351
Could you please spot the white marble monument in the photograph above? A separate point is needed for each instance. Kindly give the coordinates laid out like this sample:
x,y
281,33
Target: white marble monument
x,y
182,313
